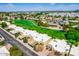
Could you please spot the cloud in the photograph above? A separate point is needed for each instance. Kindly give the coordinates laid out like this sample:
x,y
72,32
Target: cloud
x,y
37,7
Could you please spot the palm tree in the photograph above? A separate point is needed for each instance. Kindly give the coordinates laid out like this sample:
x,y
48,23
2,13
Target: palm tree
x,y
17,34
72,37
25,39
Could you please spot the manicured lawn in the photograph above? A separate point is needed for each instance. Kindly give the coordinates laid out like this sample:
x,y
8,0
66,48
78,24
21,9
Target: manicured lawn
x,y
31,25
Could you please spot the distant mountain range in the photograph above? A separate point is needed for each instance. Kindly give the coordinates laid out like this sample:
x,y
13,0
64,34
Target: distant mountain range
x,y
76,11
44,11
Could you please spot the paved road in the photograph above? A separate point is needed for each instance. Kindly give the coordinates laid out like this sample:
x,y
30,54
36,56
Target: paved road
x,y
26,49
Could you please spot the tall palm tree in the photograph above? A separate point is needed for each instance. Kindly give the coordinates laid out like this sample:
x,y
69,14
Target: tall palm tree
x,y
72,37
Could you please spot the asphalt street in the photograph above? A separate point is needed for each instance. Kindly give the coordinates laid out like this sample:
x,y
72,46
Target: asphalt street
x,y
24,48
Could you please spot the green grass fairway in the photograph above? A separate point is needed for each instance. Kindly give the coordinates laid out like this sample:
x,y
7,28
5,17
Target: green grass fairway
x,y
31,25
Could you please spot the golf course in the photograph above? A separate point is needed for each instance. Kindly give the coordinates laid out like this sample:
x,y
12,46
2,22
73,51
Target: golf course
x,y
31,25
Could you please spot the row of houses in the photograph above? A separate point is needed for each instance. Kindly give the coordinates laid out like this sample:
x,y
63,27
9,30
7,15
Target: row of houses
x,y
59,47
72,14
39,16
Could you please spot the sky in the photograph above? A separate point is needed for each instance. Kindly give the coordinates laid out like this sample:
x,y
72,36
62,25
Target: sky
x,y
7,7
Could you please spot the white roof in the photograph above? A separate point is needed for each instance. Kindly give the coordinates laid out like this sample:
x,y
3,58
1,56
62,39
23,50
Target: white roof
x,y
60,45
75,51
37,36
13,31
42,37
4,51
19,29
